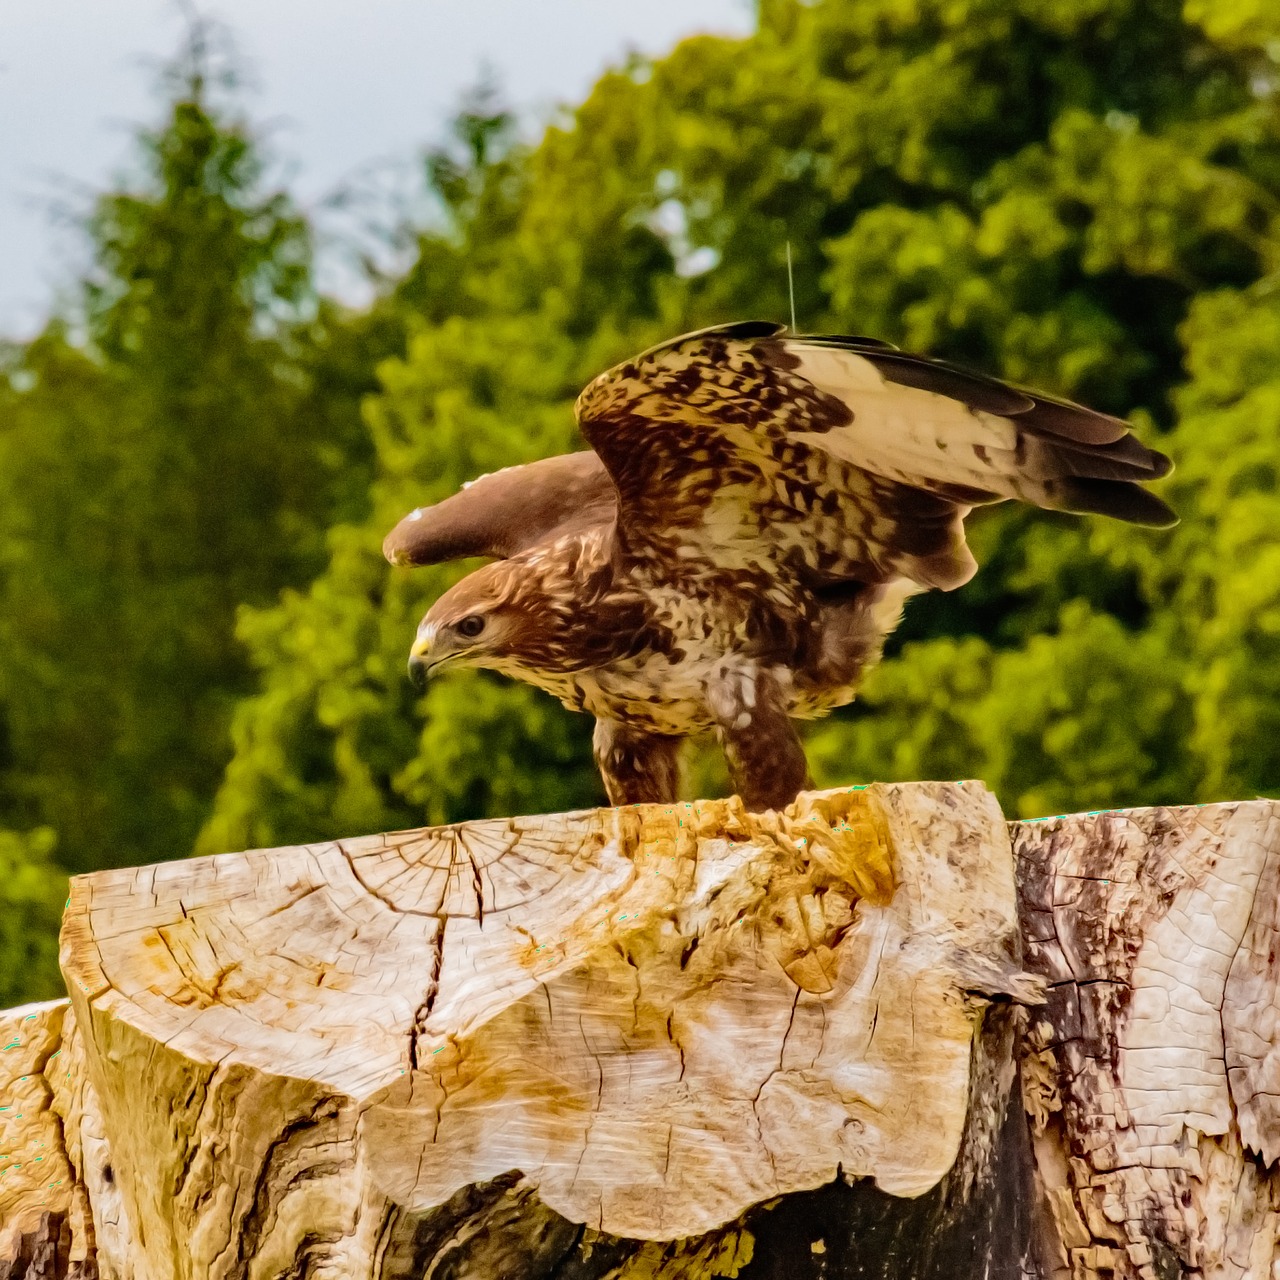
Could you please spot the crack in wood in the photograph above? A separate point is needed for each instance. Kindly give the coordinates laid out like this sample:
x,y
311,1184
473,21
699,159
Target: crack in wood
x,y
478,884
423,1012
399,909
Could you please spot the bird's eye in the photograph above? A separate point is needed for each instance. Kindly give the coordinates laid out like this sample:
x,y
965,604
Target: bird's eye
x,y
471,626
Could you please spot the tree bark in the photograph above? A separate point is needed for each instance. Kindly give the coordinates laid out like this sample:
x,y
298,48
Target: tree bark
x,y
870,1036
1150,1075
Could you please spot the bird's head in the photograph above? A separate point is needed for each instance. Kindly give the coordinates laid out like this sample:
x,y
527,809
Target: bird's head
x,y
474,624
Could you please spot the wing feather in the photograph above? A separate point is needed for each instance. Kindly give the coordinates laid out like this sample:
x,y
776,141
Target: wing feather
x,y
508,511
831,458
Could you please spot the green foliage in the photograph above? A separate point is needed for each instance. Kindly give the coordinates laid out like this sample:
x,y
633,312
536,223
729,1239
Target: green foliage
x,y
196,475
1050,726
1222,575
32,892
333,743
176,452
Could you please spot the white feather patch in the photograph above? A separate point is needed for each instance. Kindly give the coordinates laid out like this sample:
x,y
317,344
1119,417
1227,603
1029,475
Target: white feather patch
x,y
905,433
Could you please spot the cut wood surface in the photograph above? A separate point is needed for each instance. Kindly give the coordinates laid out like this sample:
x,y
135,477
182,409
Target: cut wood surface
x,y
660,1016
659,1042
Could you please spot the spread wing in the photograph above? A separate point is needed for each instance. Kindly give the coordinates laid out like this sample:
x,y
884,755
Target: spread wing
x,y
508,511
827,458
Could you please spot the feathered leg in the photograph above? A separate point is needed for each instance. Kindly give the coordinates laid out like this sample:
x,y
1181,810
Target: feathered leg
x,y
637,767
761,747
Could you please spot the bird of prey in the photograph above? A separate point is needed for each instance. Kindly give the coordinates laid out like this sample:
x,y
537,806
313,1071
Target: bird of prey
x,y
733,550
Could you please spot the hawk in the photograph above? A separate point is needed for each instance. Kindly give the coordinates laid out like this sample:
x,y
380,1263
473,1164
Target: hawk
x,y
732,552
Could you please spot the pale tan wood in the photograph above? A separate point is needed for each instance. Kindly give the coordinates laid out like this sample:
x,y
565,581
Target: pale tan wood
x,y
35,1179
652,1021
50,1224
660,1016
1251,1005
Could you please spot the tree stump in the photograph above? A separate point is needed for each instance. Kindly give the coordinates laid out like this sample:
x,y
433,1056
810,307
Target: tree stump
x,y
845,1040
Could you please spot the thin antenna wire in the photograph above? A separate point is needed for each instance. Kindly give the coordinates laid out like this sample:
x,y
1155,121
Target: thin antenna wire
x,y
791,288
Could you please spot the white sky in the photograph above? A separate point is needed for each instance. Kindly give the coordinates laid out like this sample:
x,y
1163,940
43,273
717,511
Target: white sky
x,y
341,85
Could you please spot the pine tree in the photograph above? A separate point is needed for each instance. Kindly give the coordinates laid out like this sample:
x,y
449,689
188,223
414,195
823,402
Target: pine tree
x,y
160,467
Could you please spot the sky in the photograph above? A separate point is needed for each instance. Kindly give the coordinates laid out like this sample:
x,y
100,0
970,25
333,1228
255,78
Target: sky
x,y
349,92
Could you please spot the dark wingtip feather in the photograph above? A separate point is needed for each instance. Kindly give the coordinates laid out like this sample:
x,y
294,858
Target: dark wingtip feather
x,y
1120,499
1072,421
1128,450
1125,459
851,342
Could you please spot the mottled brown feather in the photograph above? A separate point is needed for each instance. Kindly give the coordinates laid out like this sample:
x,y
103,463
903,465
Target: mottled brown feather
x,y
757,509
726,454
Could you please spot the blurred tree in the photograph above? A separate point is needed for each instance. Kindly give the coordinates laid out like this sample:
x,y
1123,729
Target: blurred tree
x,y
32,892
332,742
175,450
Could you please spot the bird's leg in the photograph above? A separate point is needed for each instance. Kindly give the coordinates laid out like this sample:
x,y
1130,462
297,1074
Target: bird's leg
x,y
766,761
638,767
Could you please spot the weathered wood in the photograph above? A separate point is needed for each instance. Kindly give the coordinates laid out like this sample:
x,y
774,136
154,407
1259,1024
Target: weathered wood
x,y
656,1042
1147,1074
46,1228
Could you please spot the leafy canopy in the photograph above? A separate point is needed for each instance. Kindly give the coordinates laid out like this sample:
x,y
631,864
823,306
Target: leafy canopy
x,y
171,451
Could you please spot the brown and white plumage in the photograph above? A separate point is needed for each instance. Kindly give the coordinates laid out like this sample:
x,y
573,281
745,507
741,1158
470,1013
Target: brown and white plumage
x,y
755,511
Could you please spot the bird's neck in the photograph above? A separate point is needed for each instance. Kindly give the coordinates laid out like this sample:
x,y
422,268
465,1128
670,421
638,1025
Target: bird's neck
x,y
580,613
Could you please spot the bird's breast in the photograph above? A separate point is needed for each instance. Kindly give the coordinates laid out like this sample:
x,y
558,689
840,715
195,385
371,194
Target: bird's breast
x,y
662,692
651,663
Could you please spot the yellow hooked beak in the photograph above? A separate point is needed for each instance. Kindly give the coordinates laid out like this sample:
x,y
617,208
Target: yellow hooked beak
x,y
421,662
427,656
